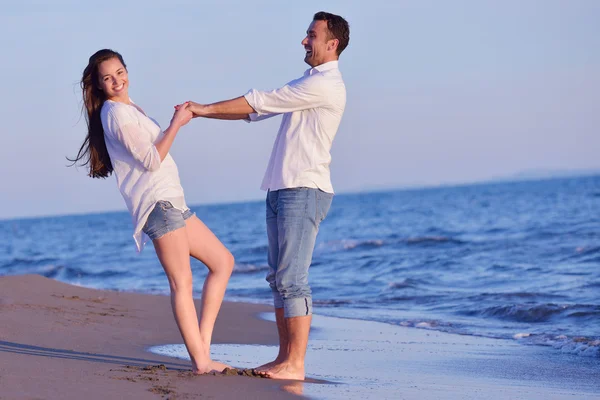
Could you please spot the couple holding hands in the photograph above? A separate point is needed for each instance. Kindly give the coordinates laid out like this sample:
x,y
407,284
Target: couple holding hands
x,y
123,140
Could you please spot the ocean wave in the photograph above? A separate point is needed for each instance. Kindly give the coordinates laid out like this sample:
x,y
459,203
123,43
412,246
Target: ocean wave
x,y
241,268
258,250
521,312
331,303
592,285
535,313
68,274
585,314
349,244
406,283
584,254
493,231
354,244
78,273
430,324
28,262
507,296
589,260
433,240
577,345
416,299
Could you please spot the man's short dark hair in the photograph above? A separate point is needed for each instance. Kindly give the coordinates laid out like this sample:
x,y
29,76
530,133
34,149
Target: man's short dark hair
x,y
338,28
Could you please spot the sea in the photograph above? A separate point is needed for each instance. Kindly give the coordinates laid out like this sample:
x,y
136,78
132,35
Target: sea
x,y
511,260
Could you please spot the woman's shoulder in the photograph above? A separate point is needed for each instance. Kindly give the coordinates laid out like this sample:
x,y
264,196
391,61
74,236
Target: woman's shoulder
x,y
114,110
114,107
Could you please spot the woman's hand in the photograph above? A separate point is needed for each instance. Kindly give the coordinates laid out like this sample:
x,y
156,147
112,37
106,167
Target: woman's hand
x,y
195,108
182,115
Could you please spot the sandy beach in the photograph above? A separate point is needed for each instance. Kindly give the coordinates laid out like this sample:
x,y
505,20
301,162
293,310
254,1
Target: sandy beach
x,y
59,341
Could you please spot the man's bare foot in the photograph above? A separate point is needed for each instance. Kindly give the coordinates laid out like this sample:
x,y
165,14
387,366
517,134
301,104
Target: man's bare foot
x,y
265,367
211,366
284,370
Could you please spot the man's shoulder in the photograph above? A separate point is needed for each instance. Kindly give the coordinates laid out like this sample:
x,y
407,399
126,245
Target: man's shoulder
x,y
330,79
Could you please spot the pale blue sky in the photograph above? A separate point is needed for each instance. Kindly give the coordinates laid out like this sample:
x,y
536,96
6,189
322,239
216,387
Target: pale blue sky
x,y
438,92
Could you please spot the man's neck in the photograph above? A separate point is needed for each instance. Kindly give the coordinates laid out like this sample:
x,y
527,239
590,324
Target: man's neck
x,y
325,62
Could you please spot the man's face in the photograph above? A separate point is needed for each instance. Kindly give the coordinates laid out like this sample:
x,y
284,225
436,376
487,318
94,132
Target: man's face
x,y
319,48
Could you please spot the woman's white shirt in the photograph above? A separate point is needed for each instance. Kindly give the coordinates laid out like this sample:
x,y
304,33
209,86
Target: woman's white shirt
x,y
142,178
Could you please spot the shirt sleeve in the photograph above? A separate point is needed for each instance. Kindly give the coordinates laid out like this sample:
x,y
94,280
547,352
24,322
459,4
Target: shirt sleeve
x,y
300,94
127,131
254,117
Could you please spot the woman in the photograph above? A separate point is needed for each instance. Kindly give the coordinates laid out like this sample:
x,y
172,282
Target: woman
x,y
123,140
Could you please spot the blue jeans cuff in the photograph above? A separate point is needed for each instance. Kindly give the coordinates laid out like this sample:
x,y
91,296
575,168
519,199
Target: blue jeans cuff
x,y
298,307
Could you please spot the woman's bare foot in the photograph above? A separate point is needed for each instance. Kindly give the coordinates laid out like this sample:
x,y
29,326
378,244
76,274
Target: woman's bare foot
x,y
211,366
218,366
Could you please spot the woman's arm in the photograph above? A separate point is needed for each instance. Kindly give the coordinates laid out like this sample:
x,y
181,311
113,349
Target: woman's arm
x,y
182,116
125,129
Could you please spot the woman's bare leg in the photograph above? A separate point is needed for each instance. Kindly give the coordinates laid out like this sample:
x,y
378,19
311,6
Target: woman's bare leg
x,y
173,252
204,246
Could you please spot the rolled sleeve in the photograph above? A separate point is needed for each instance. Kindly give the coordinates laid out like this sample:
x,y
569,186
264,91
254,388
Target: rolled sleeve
x,y
251,97
300,94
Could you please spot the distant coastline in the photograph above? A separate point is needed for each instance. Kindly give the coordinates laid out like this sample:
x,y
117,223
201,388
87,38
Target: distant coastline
x,y
521,176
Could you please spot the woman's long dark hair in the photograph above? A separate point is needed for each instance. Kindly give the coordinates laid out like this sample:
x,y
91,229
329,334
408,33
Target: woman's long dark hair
x,y
93,152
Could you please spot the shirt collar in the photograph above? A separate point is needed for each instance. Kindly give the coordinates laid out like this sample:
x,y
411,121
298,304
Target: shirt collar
x,y
323,67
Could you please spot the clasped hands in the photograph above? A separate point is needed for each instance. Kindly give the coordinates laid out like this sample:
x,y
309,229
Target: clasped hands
x,y
184,112
194,108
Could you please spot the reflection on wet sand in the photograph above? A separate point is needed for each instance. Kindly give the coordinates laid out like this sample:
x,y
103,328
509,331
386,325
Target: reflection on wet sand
x,y
294,387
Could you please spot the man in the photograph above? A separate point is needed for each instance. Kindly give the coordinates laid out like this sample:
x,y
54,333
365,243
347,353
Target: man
x,y
297,180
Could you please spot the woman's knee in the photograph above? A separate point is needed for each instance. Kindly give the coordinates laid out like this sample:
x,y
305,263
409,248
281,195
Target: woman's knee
x,y
223,264
228,262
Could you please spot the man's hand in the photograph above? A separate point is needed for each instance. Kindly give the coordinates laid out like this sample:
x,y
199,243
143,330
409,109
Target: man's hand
x,y
195,108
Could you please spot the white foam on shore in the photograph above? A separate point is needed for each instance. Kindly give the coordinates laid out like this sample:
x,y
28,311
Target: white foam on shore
x,y
371,360
359,361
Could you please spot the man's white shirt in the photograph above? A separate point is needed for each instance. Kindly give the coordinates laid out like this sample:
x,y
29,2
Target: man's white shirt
x,y
312,108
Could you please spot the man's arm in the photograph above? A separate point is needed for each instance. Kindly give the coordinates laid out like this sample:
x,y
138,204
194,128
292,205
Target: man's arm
x,y
233,109
301,94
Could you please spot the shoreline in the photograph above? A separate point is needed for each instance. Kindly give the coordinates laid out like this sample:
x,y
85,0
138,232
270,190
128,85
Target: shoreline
x,y
70,342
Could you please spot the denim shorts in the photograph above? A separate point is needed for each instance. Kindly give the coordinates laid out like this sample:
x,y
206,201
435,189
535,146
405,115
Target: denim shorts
x,y
165,218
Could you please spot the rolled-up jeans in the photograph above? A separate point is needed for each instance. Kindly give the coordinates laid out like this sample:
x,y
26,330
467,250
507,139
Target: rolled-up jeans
x,y
293,218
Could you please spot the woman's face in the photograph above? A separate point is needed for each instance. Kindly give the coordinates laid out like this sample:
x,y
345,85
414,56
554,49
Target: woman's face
x,y
114,81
